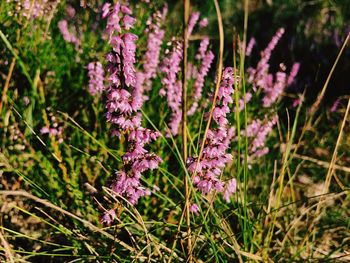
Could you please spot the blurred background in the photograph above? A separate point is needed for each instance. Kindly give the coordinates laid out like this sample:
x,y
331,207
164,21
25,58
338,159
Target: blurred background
x,y
314,33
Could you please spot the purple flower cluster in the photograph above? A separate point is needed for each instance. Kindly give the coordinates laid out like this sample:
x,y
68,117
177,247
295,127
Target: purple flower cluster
x,y
272,86
257,132
124,100
54,129
248,96
192,23
203,23
230,189
34,9
272,90
293,73
335,105
172,87
154,42
67,35
250,46
136,161
194,208
108,217
96,77
206,58
258,76
207,171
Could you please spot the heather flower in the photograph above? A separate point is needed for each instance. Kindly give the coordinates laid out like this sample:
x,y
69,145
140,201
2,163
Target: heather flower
x,y
108,217
96,77
67,35
248,96
105,10
229,189
293,72
54,129
272,86
70,11
154,42
113,19
172,87
296,102
128,22
203,47
272,91
206,58
257,132
192,71
335,105
250,46
259,76
124,100
192,22
203,23
194,208
208,169
35,9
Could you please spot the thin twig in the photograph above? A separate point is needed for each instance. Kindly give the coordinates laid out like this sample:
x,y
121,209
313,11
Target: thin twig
x,y
323,163
7,83
6,248
184,125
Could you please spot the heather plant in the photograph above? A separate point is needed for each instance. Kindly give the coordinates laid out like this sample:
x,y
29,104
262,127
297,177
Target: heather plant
x,y
129,134
124,100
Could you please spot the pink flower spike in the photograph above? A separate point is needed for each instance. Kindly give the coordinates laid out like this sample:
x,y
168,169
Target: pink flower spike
x,y
231,186
108,217
214,157
128,22
203,23
250,46
294,71
105,9
124,101
191,24
96,78
335,105
194,208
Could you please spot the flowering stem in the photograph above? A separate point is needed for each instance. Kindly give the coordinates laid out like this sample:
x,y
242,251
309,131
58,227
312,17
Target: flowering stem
x,y
7,83
184,123
219,77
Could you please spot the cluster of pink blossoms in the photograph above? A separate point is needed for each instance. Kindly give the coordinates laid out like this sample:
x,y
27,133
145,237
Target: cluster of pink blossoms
x,y
272,86
124,101
68,36
55,129
154,42
257,132
205,58
172,87
250,46
35,9
192,23
150,59
96,77
207,171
